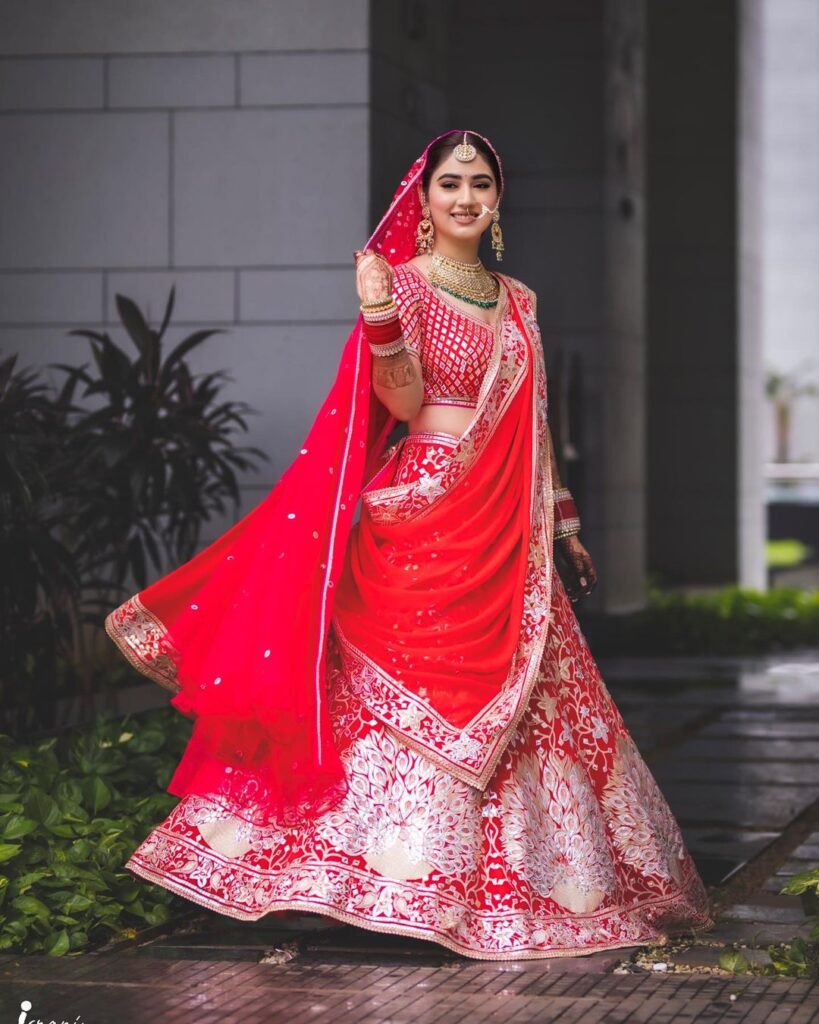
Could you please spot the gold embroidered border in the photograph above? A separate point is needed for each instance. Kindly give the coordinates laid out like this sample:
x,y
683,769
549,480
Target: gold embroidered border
x,y
142,638
319,906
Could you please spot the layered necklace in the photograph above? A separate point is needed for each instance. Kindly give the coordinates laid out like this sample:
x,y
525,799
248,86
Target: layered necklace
x,y
470,282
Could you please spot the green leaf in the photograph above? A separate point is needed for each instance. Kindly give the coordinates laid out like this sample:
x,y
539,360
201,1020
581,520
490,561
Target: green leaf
x,y
8,851
732,960
97,793
58,943
158,914
42,808
65,830
77,903
31,905
16,826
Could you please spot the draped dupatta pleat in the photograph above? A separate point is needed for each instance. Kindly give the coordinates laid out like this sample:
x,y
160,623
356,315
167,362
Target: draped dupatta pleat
x,y
443,606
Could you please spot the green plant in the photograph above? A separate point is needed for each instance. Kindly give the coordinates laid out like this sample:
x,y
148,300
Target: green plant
x,y
71,813
786,554
731,620
793,959
158,453
733,960
94,497
40,575
806,885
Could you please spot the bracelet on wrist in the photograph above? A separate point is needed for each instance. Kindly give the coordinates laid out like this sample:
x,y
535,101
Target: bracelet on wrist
x,y
383,334
376,307
566,517
391,349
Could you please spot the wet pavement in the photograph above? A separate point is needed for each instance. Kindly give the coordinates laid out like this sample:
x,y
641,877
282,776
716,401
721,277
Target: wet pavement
x,y
733,743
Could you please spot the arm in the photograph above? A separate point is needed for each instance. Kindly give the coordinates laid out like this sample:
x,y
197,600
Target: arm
x,y
398,384
397,380
572,560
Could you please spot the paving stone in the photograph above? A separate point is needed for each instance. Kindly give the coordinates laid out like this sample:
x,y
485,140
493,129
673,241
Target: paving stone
x,y
756,932
770,725
728,772
752,750
743,805
807,851
783,714
736,843
709,956
760,912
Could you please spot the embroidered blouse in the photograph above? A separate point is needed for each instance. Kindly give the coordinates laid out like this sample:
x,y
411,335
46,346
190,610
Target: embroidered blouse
x,y
454,348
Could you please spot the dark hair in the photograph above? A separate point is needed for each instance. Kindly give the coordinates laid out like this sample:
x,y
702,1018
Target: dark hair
x,y
440,150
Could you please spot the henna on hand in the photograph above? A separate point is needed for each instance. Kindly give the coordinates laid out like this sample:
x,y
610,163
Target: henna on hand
x,y
374,277
575,567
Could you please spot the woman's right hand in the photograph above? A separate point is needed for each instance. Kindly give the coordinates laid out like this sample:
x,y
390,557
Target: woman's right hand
x,y
373,276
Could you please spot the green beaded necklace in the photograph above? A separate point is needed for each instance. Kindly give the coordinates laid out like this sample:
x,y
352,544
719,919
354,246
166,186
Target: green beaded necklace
x,y
469,282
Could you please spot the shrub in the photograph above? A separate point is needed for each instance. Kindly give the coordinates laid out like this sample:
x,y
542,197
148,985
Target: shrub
x,y
71,813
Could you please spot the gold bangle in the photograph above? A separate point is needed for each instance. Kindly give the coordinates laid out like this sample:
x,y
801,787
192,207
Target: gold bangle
x,y
376,307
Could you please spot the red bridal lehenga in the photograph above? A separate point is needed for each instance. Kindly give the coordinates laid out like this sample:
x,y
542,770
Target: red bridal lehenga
x,y
398,722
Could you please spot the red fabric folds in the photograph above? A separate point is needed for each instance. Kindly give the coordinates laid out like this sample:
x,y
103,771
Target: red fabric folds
x,y
436,599
240,630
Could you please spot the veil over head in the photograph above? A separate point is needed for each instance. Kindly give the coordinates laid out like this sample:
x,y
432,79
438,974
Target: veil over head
x,y
240,631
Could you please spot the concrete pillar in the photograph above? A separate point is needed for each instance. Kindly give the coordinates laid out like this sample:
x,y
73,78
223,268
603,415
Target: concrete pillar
x,y
693,288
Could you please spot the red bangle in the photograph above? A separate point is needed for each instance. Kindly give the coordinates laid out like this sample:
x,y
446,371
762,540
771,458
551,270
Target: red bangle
x,y
567,519
383,334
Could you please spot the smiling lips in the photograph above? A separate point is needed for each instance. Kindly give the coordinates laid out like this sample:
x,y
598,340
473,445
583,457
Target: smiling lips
x,y
464,218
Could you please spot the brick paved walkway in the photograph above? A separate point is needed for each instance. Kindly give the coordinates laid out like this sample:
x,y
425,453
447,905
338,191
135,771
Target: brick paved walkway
x,y
125,988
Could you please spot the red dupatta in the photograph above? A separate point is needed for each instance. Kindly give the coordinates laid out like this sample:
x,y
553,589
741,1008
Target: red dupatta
x,y
239,632
444,606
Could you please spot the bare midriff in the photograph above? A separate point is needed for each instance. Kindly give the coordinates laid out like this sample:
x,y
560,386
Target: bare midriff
x,y
447,419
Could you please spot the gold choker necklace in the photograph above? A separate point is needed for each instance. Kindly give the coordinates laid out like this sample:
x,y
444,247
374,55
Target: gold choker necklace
x,y
470,282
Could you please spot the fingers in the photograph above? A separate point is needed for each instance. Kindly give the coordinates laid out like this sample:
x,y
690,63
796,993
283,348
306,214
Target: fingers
x,y
359,254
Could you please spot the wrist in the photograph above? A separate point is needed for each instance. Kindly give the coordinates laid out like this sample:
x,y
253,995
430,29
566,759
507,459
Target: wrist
x,y
566,517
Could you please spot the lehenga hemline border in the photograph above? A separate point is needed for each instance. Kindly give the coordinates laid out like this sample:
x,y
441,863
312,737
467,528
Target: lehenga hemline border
x,y
657,937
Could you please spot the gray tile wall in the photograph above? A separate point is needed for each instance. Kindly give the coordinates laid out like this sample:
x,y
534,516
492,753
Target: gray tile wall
x,y
223,150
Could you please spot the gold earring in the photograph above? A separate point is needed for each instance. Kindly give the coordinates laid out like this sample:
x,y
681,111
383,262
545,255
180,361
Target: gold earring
x,y
497,236
425,235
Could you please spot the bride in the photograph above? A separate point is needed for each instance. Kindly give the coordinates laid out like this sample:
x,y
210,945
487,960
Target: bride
x,y
397,720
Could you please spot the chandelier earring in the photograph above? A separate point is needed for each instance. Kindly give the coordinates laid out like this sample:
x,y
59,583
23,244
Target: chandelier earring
x,y
497,236
425,235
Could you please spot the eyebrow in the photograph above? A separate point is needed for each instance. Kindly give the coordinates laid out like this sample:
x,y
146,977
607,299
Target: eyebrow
x,y
451,174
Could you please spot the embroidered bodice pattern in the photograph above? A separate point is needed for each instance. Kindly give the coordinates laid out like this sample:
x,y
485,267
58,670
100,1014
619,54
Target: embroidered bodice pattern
x,y
454,348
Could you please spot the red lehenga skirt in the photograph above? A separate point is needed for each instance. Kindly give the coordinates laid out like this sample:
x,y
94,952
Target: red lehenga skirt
x,y
568,847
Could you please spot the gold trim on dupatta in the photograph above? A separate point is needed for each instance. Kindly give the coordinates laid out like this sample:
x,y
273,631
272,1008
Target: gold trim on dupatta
x,y
142,638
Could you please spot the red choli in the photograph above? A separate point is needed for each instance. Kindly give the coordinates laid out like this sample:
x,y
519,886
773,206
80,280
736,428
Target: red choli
x,y
454,348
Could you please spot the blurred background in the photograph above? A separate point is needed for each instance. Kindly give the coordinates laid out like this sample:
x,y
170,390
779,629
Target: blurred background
x,y
662,162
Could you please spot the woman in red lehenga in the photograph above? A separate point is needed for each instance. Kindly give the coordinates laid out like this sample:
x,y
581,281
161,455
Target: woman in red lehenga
x,y
397,721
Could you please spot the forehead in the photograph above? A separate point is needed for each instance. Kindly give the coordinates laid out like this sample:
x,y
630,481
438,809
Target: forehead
x,y
451,166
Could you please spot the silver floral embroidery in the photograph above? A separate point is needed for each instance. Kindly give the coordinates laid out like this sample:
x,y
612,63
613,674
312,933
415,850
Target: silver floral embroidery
x,y
553,831
642,823
397,796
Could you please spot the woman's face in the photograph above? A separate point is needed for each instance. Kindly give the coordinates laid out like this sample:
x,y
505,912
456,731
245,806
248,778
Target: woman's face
x,y
456,192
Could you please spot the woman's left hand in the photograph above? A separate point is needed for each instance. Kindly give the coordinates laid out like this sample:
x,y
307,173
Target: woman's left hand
x,y
575,567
